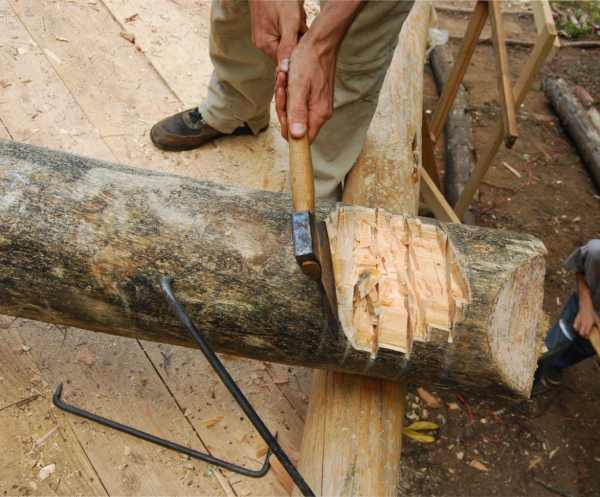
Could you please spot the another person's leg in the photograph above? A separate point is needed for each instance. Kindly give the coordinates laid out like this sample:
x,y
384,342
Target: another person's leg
x,y
240,90
363,60
565,347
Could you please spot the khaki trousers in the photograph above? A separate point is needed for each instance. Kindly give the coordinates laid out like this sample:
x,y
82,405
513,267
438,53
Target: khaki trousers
x,y
241,87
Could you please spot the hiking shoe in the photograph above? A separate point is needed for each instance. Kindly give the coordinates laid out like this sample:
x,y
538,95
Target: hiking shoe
x,y
546,378
187,130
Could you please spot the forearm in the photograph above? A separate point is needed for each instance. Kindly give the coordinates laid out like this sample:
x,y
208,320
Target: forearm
x,y
327,31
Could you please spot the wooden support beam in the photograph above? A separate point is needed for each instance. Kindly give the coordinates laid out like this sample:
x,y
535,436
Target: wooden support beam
x,y
435,200
463,59
507,103
543,46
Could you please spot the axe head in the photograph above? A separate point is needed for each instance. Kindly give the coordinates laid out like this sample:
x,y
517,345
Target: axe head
x,y
313,253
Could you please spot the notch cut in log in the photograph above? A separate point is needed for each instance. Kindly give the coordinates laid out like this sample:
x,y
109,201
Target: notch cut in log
x,y
84,243
397,278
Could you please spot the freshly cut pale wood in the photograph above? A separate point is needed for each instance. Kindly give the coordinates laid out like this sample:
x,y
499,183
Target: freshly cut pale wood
x,y
396,278
99,263
458,137
578,122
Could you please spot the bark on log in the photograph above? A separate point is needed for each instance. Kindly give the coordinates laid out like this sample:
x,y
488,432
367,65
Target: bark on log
x,y
579,123
84,243
459,152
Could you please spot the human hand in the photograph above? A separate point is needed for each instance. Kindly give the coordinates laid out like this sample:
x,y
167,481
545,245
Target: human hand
x,y
304,96
585,321
276,27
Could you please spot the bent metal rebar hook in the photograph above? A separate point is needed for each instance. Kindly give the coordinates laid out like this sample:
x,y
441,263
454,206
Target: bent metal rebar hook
x,y
228,381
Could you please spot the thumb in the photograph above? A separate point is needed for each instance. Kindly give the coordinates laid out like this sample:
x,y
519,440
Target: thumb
x,y
297,106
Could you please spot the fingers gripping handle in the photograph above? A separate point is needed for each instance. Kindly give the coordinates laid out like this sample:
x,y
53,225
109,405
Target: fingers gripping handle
x,y
301,175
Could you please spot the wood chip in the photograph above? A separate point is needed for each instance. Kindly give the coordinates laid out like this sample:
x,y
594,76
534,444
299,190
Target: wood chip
x,y
430,400
512,169
478,465
130,37
132,17
46,471
453,406
60,38
534,462
210,422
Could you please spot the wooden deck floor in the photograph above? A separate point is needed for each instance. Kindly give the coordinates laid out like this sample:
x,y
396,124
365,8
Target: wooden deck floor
x,y
69,80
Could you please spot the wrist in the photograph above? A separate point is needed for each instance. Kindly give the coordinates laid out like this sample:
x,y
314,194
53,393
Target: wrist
x,y
328,29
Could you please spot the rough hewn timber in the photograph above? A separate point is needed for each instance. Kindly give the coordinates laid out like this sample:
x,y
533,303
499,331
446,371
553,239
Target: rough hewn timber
x,y
579,123
84,243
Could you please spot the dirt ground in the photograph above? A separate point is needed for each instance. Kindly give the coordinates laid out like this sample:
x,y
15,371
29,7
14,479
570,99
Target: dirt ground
x,y
551,445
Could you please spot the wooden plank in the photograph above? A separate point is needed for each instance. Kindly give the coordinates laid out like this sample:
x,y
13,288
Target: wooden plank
x,y
114,85
544,21
436,201
476,23
33,434
174,38
529,72
215,415
114,378
507,103
36,106
75,133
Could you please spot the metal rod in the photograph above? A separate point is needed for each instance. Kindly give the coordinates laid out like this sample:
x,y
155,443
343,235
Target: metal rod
x,y
237,394
253,473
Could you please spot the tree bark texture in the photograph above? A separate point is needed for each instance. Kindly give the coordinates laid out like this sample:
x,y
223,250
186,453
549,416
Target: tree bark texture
x,y
84,243
579,123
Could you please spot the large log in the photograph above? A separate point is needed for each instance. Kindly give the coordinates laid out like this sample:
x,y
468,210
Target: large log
x,y
579,121
84,243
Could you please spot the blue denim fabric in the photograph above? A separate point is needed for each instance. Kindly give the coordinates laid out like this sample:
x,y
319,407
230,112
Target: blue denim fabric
x,y
565,346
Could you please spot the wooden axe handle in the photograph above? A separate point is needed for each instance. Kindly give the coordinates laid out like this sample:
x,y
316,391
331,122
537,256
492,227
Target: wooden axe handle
x,y
595,339
301,175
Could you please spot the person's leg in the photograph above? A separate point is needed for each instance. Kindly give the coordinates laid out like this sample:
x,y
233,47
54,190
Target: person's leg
x,y
243,79
565,348
363,60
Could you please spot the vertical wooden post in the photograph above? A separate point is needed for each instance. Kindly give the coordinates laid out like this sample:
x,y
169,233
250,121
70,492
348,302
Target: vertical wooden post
x,y
353,434
509,114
